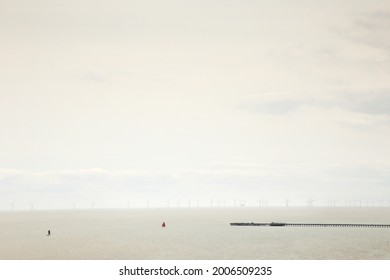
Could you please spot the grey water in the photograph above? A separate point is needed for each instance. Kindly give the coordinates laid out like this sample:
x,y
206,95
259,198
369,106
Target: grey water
x,y
196,233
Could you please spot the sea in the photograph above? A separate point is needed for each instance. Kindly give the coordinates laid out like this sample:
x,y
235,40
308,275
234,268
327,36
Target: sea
x,y
194,234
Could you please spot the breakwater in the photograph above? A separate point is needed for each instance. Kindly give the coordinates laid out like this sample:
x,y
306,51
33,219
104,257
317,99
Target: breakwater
x,y
273,224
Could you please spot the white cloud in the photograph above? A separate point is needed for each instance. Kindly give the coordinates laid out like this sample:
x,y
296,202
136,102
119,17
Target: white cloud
x,y
371,28
359,119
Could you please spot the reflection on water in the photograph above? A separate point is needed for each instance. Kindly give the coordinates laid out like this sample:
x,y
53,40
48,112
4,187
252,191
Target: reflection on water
x,y
193,234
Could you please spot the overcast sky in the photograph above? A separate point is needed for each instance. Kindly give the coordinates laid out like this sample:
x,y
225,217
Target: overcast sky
x,y
116,101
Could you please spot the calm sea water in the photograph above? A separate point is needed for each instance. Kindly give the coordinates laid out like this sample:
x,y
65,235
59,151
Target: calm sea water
x,y
193,234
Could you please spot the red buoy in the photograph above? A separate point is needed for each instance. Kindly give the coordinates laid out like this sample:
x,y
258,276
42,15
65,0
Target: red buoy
x,y
163,224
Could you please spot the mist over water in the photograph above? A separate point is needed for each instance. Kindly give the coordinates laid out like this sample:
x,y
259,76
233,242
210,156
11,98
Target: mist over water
x,y
196,233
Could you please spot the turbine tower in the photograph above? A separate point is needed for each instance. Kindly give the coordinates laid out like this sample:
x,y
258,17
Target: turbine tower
x,y
332,203
310,202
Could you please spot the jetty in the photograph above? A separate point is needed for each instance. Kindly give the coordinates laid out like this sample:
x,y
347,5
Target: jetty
x,y
273,224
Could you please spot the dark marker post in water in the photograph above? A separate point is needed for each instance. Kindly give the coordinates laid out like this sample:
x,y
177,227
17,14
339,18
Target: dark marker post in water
x,y
48,233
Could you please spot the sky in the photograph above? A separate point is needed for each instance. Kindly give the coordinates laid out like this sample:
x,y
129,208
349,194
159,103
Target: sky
x,y
181,103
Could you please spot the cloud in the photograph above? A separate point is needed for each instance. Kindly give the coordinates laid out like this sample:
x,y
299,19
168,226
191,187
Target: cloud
x,y
271,94
349,106
65,181
362,108
357,119
273,103
278,107
370,29
94,76
369,102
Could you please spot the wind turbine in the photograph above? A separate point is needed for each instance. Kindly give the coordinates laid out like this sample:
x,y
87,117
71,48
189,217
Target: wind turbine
x,y
310,202
73,205
12,206
31,205
92,205
287,202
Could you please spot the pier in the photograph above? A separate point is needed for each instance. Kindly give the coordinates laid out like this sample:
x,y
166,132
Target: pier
x,y
273,224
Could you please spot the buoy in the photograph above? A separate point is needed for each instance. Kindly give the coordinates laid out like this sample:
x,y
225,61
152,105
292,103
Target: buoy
x,y
163,224
48,233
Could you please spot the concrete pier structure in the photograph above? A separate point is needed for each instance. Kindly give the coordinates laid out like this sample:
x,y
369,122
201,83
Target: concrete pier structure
x,y
273,224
